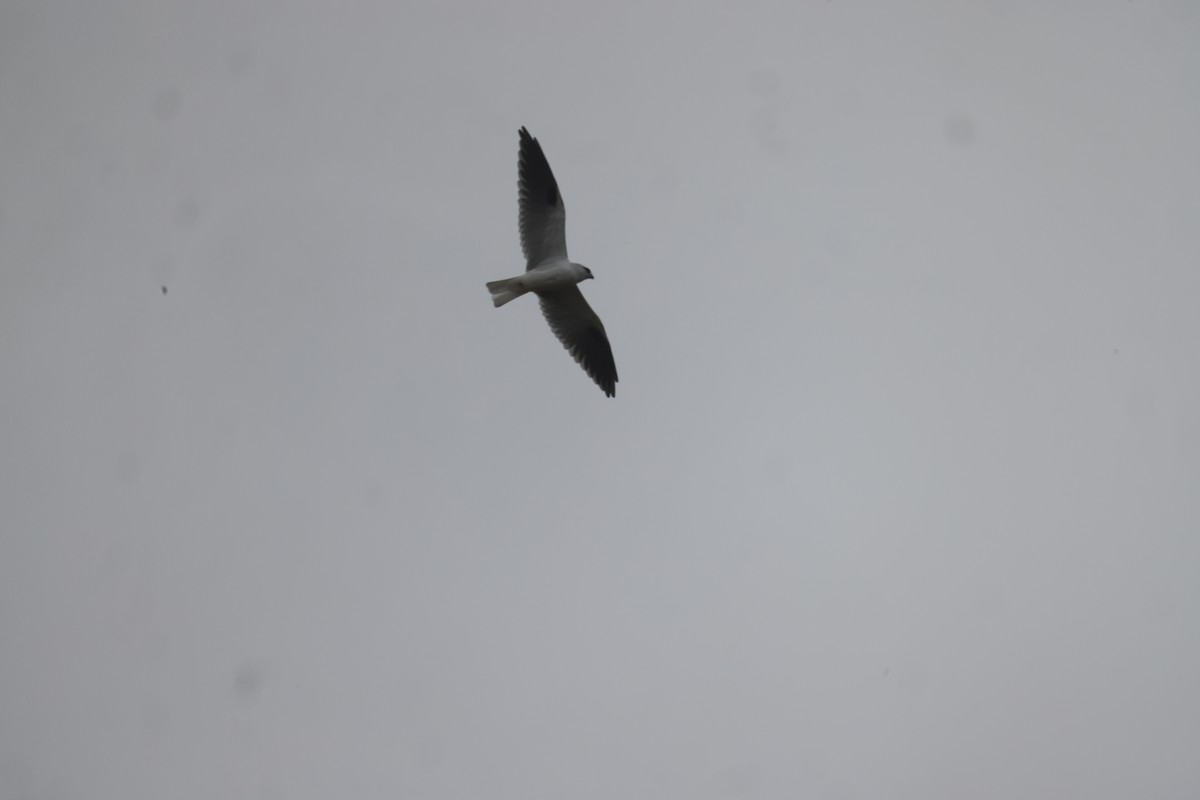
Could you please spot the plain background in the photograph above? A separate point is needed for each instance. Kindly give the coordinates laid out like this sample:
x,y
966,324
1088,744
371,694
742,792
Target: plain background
x,y
898,497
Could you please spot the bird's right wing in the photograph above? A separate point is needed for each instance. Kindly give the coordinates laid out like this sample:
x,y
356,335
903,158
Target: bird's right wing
x,y
582,333
543,219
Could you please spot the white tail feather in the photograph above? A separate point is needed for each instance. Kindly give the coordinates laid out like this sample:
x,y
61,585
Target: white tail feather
x,y
505,290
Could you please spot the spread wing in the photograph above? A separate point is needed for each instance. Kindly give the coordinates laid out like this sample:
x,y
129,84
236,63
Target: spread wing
x,y
543,219
582,333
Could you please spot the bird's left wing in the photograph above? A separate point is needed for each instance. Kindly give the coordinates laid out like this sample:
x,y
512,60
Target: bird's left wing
x,y
582,333
543,219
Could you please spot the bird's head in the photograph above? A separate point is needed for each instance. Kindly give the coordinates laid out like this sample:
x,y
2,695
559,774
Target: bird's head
x,y
585,272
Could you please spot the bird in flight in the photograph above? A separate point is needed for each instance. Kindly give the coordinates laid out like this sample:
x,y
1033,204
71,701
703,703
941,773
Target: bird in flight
x,y
550,274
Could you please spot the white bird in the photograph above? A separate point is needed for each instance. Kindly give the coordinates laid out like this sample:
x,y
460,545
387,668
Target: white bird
x,y
550,274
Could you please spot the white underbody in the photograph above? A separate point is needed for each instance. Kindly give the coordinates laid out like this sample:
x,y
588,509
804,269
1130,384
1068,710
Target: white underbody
x,y
551,275
545,277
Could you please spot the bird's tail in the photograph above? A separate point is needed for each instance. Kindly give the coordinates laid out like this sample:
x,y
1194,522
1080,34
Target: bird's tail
x,y
505,290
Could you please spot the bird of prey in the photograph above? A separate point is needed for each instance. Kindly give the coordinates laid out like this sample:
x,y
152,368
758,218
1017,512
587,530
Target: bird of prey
x,y
549,273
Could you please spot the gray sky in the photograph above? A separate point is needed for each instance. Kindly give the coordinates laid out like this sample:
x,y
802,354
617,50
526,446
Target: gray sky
x,y
898,497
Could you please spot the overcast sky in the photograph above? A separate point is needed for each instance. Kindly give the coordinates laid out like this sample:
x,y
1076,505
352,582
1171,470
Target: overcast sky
x,y
899,496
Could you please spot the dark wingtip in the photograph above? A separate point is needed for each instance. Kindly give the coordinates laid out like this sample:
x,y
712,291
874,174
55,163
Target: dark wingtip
x,y
530,152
